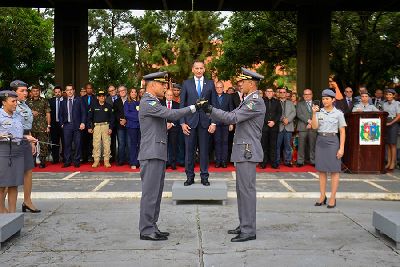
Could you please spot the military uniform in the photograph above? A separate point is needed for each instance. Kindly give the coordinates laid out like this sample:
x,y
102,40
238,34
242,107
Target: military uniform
x,y
101,120
40,124
327,145
27,118
246,152
153,156
365,108
11,150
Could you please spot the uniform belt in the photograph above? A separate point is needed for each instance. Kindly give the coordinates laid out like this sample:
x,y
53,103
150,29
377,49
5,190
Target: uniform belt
x,y
101,123
327,134
27,131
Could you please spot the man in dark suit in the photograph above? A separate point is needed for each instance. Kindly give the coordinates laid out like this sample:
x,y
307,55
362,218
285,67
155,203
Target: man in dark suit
x,y
120,122
223,102
173,130
196,127
87,138
110,99
72,121
273,113
56,132
307,135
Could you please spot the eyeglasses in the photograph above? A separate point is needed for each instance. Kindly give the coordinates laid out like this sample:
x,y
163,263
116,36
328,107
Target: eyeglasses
x,y
112,90
307,94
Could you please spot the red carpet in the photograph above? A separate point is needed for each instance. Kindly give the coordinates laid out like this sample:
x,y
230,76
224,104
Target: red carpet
x,y
88,168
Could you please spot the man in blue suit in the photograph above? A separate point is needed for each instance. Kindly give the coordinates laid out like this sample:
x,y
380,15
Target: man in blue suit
x,y
223,102
72,120
197,127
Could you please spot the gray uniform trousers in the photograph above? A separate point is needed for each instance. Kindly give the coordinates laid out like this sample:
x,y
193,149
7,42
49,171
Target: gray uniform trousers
x,y
306,137
152,172
246,196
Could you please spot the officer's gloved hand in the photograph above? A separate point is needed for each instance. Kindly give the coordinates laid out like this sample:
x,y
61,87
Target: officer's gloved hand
x,y
200,103
207,108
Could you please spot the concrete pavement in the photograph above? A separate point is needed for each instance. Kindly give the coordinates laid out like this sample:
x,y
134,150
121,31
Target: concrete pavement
x,y
290,232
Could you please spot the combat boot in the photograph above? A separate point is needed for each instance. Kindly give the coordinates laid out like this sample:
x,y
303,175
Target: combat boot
x,y
107,163
96,163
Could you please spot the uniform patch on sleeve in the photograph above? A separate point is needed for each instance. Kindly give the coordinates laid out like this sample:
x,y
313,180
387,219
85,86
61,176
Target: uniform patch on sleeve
x,y
152,103
251,105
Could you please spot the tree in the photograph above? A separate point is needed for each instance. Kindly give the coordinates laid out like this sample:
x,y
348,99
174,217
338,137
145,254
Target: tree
x,y
262,39
365,48
25,48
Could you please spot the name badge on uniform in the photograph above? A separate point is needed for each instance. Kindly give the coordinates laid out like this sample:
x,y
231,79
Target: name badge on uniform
x,y
255,96
320,117
97,109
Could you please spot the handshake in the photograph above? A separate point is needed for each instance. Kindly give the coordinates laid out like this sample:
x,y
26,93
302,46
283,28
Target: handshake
x,y
204,105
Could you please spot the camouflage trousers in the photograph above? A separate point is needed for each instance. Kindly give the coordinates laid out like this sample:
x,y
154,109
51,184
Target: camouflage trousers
x,y
101,137
44,149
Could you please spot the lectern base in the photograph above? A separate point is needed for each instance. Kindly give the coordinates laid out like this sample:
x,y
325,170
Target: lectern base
x,y
216,191
10,225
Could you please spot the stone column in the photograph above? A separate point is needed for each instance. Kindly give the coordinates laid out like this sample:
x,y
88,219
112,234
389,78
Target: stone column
x,y
71,45
313,46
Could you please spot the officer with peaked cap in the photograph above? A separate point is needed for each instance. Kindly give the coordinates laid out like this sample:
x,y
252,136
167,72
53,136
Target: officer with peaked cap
x,y
246,150
21,88
11,150
153,152
329,149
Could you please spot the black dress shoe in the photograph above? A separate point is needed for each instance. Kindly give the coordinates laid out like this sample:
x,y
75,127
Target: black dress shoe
x,y
263,165
66,165
275,166
173,166
162,233
288,164
26,207
153,237
331,207
205,182
217,165
235,231
223,164
77,165
243,237
317,204
189,181
42,165
299,165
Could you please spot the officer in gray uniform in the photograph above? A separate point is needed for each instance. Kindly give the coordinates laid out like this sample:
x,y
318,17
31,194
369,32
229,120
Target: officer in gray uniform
x,y
364,105
246,150
27,118
153,153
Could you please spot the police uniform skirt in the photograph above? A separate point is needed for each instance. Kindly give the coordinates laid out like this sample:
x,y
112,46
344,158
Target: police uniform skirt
x,y
11,172
325,154
391,134
28,157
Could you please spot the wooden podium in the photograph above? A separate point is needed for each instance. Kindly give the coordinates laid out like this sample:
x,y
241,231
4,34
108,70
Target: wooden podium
x,y
365,153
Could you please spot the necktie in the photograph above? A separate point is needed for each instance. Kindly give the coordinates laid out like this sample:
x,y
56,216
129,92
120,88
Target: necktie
x,y
350,103
309,106
69,110
113,98
88,100
57,108
169,105
198,87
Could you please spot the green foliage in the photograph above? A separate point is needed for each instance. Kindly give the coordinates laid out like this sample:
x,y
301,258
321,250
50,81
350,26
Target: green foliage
x,y
365,48
265,39
25,48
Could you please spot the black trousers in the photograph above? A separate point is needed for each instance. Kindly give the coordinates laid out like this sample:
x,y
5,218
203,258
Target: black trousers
x,y
57,137
268,142
87,145
173,144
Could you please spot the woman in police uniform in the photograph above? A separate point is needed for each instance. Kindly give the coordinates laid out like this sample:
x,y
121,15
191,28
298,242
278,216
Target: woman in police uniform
x,y
329,149
393,108
11,151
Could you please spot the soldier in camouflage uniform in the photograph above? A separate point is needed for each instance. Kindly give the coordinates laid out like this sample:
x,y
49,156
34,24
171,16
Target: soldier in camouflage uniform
x,y
41,122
